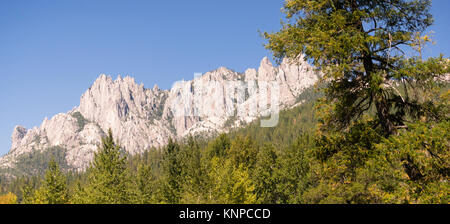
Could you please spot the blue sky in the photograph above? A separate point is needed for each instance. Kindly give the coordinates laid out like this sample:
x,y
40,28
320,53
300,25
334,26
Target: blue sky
x,y
52,51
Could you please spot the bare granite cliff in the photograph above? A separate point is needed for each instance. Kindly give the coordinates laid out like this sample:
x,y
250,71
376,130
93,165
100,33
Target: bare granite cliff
x,y
143,118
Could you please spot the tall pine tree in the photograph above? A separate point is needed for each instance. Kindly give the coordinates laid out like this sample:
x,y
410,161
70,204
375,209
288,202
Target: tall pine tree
x,y
146,186
173,170
54,189
363,49
108,181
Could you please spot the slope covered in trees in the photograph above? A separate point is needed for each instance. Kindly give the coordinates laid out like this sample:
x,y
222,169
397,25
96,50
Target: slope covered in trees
x,y
290,163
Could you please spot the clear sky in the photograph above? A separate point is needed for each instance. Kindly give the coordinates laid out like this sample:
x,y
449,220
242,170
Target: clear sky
x,y
52,51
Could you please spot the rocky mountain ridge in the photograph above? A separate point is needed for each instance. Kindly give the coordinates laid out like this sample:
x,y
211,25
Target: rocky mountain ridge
x,y
143,118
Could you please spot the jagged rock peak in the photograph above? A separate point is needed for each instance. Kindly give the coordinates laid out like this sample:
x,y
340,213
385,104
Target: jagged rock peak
x,y
107,80
156,88
266,61
144,118
17,135
223,69
129,79
220,74
103,78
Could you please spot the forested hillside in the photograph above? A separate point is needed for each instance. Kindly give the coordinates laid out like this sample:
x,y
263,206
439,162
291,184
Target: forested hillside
x,y
192,159
290,163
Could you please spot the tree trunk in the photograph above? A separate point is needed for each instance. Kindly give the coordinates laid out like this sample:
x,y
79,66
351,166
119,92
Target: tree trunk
x,y
383,116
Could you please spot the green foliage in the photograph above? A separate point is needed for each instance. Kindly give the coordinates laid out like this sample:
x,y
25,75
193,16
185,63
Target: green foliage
x,y
219,146
108,178
145,183
230,185
18,184
81,121
360,47
355,166
54,189
291,124
28,195
361,166
173,171
339,163
194,172
36,162
264,175
378,134
292,177
420,159
243,152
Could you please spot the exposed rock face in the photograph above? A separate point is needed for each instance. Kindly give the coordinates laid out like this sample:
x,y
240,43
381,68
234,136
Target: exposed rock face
x,y
17,135
132,112
143,118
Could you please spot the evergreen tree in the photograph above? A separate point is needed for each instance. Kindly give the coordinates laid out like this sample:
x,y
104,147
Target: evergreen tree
x,y
219,146
194,172
79,195
340,164
54,189
264,175
425,149
292,177
243,151
360,47
146,185
108,177
27,194
173,171
230,184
